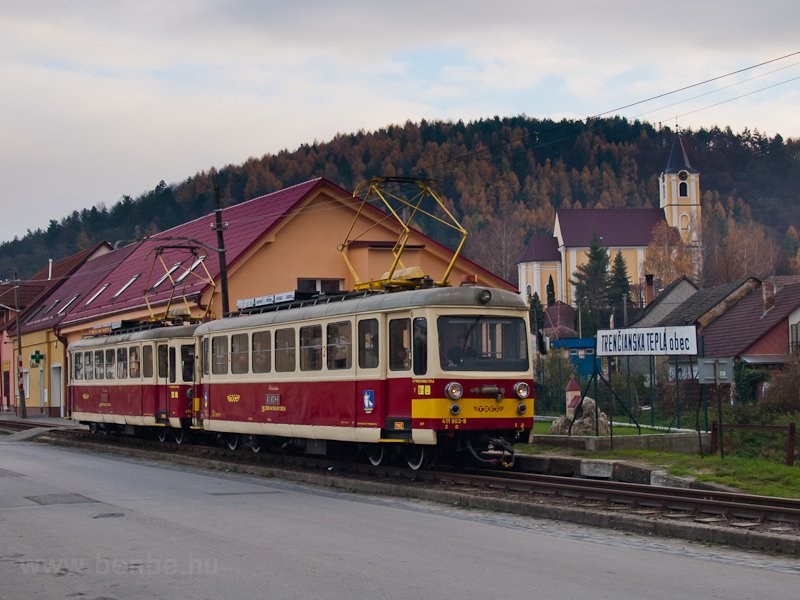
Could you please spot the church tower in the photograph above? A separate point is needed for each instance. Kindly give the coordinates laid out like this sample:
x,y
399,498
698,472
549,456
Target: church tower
x,y
679,186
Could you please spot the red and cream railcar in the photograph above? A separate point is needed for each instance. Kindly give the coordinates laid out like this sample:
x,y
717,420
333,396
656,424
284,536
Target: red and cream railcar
x,y
136,379
417,371
439,368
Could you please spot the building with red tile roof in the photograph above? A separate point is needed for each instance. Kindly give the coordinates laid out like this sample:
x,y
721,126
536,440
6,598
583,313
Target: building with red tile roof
x,y
279,242
28,298
762,328
275,243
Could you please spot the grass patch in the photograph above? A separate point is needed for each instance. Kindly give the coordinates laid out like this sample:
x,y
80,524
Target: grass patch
x,y
751,475
543,428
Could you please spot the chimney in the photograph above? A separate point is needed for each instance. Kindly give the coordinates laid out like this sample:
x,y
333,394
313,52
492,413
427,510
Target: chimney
x,y
50,269
649,292
768,294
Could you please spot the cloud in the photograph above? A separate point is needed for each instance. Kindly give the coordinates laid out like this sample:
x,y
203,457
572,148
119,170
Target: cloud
x,y
107,98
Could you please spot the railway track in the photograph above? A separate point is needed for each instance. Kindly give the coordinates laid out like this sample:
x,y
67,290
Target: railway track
x,y
641,498
510,491
14,426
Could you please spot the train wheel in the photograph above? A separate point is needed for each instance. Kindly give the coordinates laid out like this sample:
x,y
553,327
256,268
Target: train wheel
x,y
93,428
255,444
161,434
376,454
417,457
232,441
179,435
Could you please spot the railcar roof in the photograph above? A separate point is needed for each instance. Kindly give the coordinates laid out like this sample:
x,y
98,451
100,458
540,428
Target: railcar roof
x,y
466,296
158,333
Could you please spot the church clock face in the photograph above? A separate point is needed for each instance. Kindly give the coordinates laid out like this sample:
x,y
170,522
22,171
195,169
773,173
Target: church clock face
x,y
683,175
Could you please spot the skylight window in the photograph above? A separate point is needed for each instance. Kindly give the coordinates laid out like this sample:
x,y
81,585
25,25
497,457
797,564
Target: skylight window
x,y
35,314
47,312
125,287
165,275
185,274
95,295
66,306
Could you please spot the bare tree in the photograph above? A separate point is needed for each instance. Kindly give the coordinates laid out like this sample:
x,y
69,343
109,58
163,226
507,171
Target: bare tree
x,y
667,257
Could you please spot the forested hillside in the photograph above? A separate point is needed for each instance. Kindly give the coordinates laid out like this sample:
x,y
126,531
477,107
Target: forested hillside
x,y
503,177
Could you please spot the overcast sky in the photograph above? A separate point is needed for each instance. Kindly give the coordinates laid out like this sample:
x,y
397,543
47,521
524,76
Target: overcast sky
x,y
102,99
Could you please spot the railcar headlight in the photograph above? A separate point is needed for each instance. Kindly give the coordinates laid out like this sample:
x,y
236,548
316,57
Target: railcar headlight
x,y
484,297
190,393
455,409
522,390
453,390
521,408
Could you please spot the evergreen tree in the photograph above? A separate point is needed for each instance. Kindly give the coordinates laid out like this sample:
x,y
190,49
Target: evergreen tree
x,y
619,291
591,282
551,292
537,313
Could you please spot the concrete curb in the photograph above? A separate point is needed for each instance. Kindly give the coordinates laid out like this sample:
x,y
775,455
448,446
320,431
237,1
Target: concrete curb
x,y
622,521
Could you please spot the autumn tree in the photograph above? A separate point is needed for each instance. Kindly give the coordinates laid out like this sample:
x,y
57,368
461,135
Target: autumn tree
x,y
499,244
747,251
666,257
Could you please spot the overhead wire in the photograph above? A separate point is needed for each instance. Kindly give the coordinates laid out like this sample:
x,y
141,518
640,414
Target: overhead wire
x,y
557,126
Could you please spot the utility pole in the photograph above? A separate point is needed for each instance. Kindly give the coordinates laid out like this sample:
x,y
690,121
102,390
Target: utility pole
x,y
22,412
223,263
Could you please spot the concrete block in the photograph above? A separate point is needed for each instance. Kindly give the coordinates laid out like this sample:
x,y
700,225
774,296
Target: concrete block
x,y
597,469
630,473
532,463
565,466
662,479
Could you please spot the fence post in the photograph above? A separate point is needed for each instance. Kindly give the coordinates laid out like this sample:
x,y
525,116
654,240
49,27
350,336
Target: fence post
x,y
713,437
790,446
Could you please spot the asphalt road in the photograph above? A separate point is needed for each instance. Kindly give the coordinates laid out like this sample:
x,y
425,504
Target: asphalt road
x,y
93,526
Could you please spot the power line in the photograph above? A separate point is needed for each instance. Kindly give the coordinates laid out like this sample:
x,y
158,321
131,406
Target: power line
x,y
614,110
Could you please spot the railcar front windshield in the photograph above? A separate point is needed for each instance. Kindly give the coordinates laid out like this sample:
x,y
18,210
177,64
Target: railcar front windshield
x,y
481,343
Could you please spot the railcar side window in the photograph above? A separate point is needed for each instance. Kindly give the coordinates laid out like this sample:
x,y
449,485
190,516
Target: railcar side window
x,y
261,352
399,344
240,354
340,345
219,355
110,364
133,354
420,353
284,350
163,366
147,361
311,348
205,356
99,369
88,366
122,363
77,361
368,344
187,362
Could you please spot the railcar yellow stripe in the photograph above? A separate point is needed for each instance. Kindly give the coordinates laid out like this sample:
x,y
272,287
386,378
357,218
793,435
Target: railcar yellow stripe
x,y
471,408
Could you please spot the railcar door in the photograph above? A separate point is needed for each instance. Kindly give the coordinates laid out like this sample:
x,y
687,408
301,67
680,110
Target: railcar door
x,y
398,377
166,357
370,388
